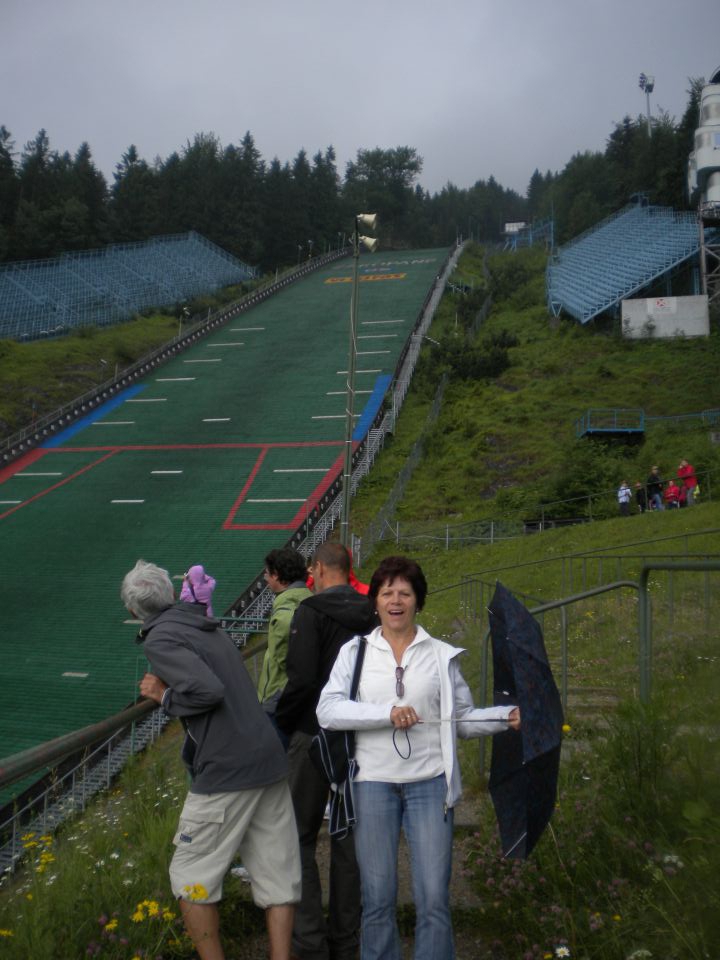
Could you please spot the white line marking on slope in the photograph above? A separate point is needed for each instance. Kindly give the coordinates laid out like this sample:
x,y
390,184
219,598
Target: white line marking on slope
x,y
300,500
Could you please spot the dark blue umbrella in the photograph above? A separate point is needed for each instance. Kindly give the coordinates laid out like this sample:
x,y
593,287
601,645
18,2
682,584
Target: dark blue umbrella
x,y
525,762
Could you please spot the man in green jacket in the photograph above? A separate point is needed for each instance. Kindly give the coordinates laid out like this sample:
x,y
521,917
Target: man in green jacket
x,y
285,574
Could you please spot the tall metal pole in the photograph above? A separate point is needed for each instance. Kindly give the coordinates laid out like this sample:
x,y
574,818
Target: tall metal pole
x,y
350,396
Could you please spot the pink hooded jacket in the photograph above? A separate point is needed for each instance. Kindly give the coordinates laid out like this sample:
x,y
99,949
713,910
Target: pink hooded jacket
x,y
202,585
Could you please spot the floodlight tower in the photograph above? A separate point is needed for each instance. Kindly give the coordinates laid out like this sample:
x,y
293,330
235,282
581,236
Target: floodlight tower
x,y
704,184
647,84
369,222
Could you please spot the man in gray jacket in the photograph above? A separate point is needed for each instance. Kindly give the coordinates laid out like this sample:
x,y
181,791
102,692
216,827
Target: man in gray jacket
x,y
239,798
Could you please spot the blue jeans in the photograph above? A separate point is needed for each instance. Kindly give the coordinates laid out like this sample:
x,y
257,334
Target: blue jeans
x,y
382,809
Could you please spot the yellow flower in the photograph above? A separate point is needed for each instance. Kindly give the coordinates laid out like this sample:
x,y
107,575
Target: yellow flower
x,y
6,933
566,728
168,914
46,838
30,844
138,916
153,908
28,896
617,918
111,924
195,891
27,836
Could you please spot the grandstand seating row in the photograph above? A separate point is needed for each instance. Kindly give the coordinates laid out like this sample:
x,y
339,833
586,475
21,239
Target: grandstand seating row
x,y
40,298
619,257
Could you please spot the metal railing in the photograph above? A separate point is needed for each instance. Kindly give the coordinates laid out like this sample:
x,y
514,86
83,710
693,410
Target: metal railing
x,y
106,746
644,629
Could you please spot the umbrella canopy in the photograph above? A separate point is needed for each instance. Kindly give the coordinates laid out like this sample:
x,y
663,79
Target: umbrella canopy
x,y
525,763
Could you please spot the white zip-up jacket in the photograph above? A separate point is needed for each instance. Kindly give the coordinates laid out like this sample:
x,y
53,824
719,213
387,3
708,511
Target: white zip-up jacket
x,y
336,711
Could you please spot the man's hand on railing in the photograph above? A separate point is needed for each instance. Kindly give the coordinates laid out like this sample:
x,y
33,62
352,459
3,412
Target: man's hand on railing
x,y
152,687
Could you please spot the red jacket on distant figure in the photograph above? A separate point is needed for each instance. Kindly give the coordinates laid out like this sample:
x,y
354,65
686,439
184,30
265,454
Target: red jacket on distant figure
x,y
686,472
672,494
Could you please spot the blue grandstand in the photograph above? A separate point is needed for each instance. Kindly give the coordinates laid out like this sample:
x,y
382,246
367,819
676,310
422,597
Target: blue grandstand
x,y
40,298
619,257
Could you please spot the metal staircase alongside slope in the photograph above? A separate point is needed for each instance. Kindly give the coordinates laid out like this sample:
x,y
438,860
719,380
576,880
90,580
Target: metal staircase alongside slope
x,y
70,793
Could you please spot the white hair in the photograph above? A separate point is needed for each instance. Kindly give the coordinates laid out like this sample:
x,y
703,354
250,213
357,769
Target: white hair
x,y
147,589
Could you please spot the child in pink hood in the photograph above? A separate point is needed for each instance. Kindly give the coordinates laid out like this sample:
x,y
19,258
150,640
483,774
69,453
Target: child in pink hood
x,y
198,587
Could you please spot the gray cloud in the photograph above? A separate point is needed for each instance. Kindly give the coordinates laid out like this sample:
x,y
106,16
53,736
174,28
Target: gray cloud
x,y
479,87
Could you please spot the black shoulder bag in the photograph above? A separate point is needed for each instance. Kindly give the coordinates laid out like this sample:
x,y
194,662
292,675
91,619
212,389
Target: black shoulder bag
x,y
333,754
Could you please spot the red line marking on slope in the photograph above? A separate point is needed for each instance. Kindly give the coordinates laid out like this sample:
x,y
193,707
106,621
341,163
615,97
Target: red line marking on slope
x,y
259,445
60,483
25,461
310,503
228,525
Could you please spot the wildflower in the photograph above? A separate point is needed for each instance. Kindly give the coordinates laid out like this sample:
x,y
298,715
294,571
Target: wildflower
x,y
111,924
641,954
562,952
168,914
27,836
195,891
138,916
28,896
617,918
671,860
566,728
6,933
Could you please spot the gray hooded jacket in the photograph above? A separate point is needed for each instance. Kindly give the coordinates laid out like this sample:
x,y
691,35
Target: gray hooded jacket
x,y
229,743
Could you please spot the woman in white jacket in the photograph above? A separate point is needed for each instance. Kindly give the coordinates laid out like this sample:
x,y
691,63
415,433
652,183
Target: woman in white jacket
x,y
412,702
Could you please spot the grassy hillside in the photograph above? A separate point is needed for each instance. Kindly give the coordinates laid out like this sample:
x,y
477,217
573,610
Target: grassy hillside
x,y
503,444
38,377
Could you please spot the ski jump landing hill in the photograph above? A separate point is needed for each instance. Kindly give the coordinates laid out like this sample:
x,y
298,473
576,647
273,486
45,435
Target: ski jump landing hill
x,y
214,458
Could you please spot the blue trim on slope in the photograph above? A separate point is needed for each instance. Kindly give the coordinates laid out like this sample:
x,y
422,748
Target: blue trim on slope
x,y
95,414
372,406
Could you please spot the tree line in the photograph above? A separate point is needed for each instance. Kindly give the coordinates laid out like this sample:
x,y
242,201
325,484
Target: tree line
x,y
274,213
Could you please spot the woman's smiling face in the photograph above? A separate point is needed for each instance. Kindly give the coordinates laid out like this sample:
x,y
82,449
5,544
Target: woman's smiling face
x,y
396,604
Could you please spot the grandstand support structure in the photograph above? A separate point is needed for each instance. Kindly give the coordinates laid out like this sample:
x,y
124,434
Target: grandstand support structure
x,y
709,222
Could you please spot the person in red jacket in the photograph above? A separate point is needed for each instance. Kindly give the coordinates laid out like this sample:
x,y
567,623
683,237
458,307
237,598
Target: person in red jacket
x,y
672,495
686,474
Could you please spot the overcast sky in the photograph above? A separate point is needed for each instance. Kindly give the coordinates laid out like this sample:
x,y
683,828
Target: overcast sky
x,y
478,87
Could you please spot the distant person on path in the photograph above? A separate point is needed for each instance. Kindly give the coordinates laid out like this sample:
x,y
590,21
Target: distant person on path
x,y
624,496
320,627
285,572
198,587
239,798
686,474
672,495
640,497
654,485
408,772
